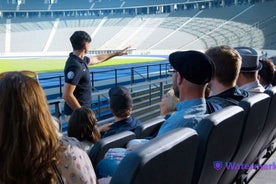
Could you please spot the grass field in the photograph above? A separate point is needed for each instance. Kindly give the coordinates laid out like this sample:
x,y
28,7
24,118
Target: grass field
x,y
51,65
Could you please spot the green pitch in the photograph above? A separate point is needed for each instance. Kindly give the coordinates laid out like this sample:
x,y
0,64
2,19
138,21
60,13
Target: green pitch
x,y
51,65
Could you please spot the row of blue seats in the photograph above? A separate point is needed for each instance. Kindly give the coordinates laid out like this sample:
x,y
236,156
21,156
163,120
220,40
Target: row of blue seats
x,y
222,149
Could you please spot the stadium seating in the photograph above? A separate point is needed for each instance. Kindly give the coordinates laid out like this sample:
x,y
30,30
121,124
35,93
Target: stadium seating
x,y
149,129
35,5
248,25
165,159
269,124
252,127
218,138
271,119
71,5
99,149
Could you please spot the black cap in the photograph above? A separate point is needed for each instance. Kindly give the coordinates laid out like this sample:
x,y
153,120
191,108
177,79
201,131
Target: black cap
x,y
194,66
120,98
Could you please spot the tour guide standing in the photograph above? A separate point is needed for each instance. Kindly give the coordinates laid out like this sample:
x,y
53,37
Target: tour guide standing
x,y
77,87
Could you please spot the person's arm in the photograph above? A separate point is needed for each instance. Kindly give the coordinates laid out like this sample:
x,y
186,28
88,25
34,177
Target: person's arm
x,y
104,57
68,96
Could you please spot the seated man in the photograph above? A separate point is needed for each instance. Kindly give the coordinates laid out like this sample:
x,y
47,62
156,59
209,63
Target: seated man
x,y
192,70
265,75
248,77
224,90
120,103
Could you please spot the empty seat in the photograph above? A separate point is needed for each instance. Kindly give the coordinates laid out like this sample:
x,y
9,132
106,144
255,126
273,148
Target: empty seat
x,y
150,128
166,159
98,151
255,108
218,138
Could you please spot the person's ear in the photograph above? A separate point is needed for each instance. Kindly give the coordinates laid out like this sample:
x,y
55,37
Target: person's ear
x,y
179,78
131,107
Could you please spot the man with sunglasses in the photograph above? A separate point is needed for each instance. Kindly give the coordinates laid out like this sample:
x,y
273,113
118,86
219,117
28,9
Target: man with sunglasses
x,y
77,87
192,70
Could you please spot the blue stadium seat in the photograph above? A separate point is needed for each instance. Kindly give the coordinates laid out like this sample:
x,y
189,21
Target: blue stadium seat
x,y
255,108
98,151
166,159
219,135
271,119
149,129
265,132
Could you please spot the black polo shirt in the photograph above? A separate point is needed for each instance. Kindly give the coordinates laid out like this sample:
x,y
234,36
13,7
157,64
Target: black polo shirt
x,y
76,72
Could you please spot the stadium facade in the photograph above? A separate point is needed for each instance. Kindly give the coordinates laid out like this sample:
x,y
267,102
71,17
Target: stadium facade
x,y
150,27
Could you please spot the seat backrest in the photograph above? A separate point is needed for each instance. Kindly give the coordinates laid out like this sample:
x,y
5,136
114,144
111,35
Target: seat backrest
x,y
98,151
271,118
253,124
165,159
149,128
254,153
219,135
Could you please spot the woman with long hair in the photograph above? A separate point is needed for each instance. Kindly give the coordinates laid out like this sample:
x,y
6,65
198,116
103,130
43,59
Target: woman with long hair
x,y
83,126
31,151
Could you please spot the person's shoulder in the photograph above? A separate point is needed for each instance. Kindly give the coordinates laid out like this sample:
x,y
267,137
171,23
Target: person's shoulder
x,y
70,142
86,59
135,120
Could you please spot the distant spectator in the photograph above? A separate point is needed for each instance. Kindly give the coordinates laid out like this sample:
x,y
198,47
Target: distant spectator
x,y
248,77
224,89
31,151
266,73
83,126
168,104
120,103
192,70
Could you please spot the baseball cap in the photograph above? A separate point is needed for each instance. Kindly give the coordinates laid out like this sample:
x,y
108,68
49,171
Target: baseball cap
x,y
120,98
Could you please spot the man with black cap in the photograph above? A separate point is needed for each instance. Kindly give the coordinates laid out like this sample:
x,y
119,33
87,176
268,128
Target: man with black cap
x,y
120,103
191,72
248,77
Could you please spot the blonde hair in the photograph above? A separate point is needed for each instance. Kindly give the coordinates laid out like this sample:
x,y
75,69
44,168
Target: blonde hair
x,y
170,105
28,140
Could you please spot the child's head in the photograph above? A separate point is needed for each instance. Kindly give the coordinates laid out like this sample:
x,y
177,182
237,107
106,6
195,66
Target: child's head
x,y
83,125
120,101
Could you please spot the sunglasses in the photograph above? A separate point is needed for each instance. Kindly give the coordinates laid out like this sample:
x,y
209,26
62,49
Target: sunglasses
x,y
27,73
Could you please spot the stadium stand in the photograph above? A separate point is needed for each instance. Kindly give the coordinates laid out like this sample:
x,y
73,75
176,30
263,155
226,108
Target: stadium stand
x,y
108,3
71,5
251,25
34,5
7,6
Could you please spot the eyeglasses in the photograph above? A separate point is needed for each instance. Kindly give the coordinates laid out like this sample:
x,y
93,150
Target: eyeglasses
x,y
171,71
27,73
